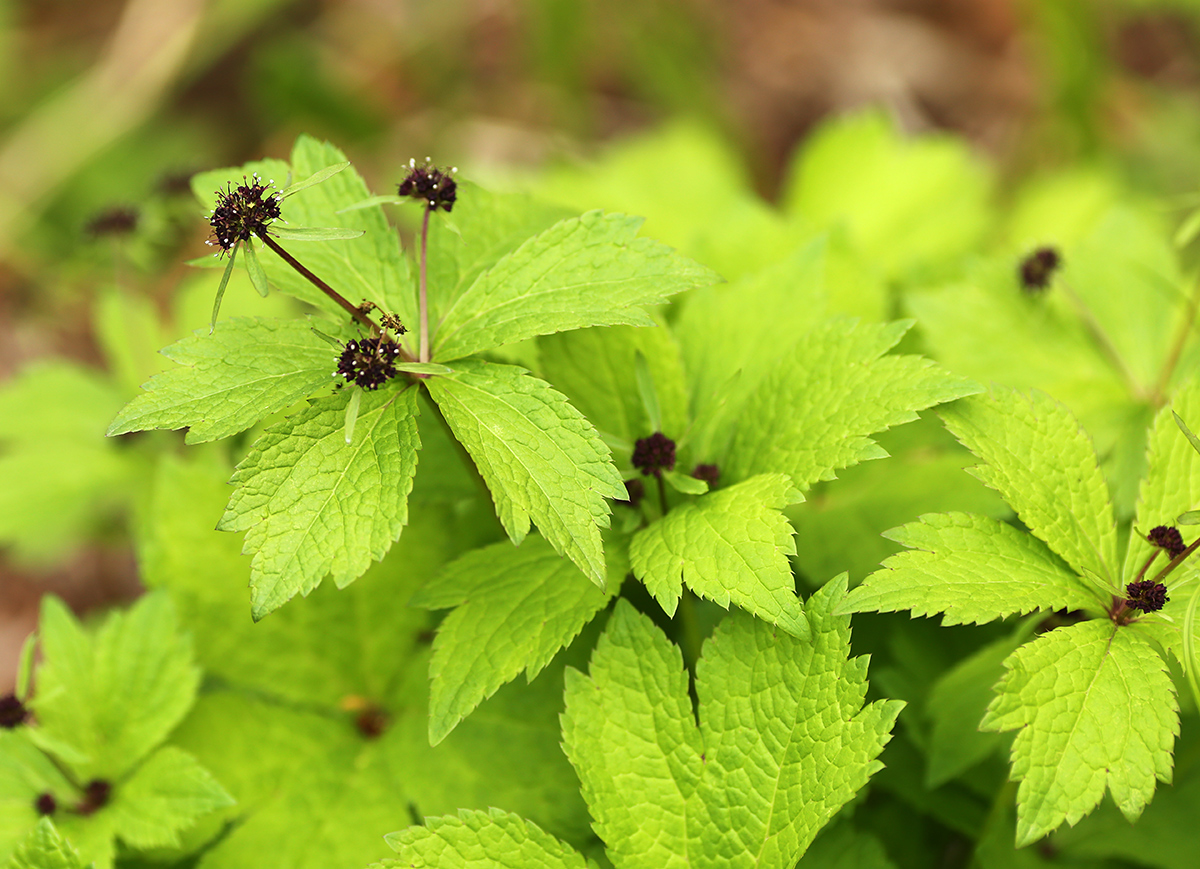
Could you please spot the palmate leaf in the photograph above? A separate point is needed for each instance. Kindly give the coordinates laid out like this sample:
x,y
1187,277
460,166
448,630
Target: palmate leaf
x,y
514,609
44,848
729,546
812,414
784,739
108,701
482,840
243,372
1094,709
587,271
971,568
164,796
539,456
313,504
1043,464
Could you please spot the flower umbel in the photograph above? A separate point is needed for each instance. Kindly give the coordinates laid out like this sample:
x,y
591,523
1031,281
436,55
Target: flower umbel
x,y
1037,268
12,711
369,362
654,454
1168,538
242,212
1146,595
434,186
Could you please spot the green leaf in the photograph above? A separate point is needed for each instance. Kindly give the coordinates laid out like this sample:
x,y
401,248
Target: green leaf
x,y
595,369
216,308
842,846
784,740
258,278
487,226
957,703
812,414
586,271
62,481
685,484
971,568
25,774
729,546
314,505
482,840
167,794
514,609
44,848
314,233
314,179
540,458
1044,466
113,698
231,379
1171,486
1094,709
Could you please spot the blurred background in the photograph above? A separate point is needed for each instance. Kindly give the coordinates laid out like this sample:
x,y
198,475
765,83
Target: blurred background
x,y
108,106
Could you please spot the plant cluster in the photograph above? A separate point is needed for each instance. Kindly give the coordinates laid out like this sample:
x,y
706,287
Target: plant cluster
x,y
664,524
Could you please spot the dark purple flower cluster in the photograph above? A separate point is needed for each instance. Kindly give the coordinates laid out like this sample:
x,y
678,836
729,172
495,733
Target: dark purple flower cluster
x,y
1168,538
12,711
95,796
120,220
242,212
708,473
45,804
1037,268
654,454
433,186
1146,595
369,362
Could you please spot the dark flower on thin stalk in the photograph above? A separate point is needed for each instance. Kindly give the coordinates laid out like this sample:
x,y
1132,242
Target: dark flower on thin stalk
x,y
45,804
709,473
434,186
12,711
1037,269
1168,538
654,454
95,796
368,362
242,212
117,221
1146,595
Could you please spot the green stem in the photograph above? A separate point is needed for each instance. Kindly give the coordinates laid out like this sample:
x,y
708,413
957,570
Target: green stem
x,y
424,349
1176,561
1101,338
662,494
1185,328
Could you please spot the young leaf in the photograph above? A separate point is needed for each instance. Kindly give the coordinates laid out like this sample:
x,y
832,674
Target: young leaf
x,y
514,609
113,698
971,568
812,414
315,178
1095,710
731,545
481,840
231,379
313,504
166,795
216,308
784,740
257,276
314,233
1044,466
586,271
540,458
44,848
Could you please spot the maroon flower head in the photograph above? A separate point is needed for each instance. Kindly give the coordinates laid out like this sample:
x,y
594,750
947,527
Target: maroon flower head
x,y
1037,268
1146,595
242,212
654,454
95,796
433,186
1168,538
368,362
708,473
45,804
118,221
12,711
